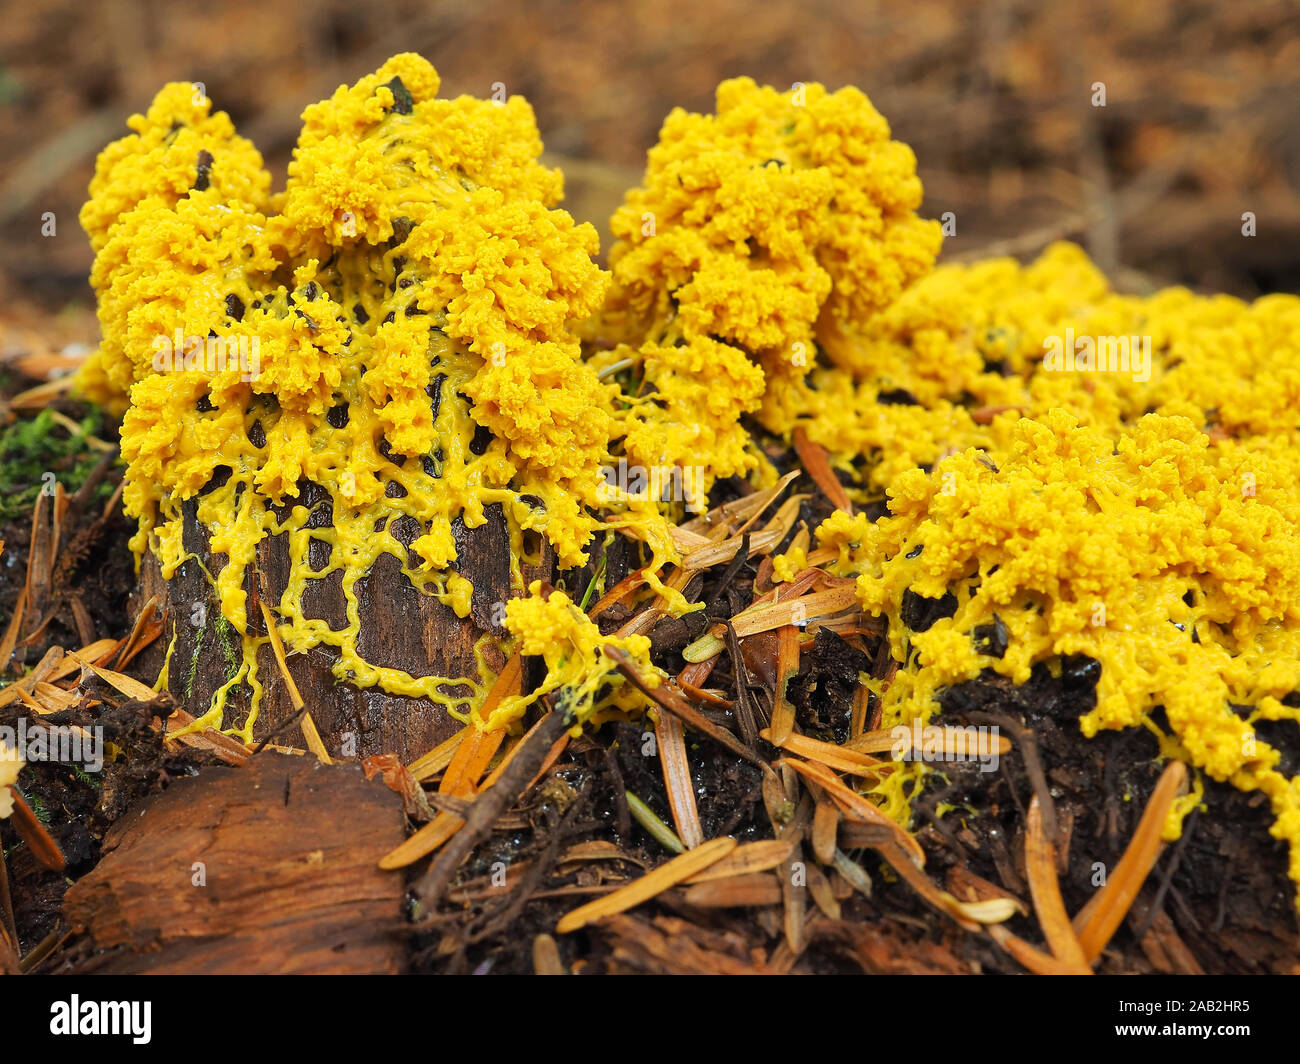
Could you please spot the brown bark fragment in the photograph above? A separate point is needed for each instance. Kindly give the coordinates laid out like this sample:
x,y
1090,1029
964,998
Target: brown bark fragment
x,y
288,852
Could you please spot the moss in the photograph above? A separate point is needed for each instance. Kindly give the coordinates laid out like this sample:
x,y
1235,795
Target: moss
x,y
229,648
193,671
33,448
41,810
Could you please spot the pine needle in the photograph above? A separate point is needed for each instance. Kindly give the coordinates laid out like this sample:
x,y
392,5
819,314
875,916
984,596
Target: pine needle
x,y
127,685
659,831
818,466
677,779
1040,870
1097,921
787,665
309,732
839,758
648,886
761,856
857,807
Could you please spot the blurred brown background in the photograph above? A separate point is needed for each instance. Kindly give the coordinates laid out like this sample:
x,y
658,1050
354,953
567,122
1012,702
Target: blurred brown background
x,y
1201,123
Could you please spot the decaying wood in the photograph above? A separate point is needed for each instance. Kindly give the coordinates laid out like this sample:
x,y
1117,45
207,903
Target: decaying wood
x,y
267,868
401,628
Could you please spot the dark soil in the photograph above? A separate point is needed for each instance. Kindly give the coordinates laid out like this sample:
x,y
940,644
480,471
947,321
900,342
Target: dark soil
x,y
1226,870
1223,886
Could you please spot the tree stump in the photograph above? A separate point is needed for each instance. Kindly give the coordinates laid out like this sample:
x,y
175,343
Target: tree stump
x,y
401,628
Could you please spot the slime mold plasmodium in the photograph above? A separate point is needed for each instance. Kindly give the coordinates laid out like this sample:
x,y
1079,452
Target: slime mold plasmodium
x,y
402,313
1152,525
418,303
756,228
1137,504
554,628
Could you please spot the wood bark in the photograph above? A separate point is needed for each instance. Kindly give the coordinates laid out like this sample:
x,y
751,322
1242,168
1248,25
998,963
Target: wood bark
x,y
270,868
401,628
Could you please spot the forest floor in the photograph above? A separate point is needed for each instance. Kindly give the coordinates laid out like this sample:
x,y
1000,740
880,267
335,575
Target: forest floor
x,y
596,817
1199,127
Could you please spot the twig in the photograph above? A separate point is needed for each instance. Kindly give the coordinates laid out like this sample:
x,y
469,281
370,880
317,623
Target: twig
x,y
622,815
744,703
668,699
489,806
1167,877
506,913
732,570
1028,744
280,729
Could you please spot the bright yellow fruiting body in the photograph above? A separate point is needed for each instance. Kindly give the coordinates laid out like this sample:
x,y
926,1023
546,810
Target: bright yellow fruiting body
x,y
686,414
966,344
393,327
1087,473
755,228
555,629
1164,545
